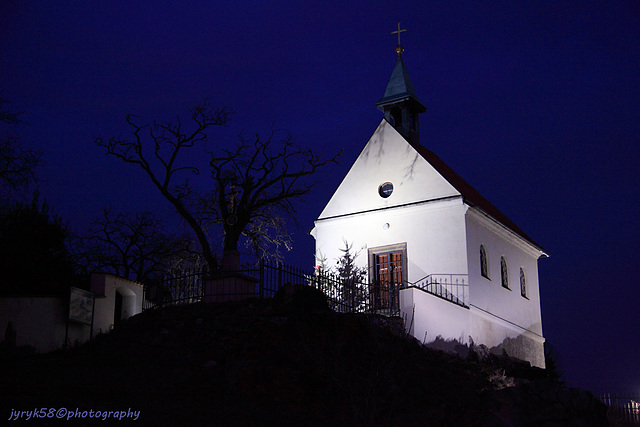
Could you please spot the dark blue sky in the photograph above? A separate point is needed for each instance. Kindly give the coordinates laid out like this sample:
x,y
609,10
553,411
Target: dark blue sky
x,y
536,104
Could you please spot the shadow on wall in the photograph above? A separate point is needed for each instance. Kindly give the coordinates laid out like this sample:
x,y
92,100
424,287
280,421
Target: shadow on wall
x,y
377,140
375,150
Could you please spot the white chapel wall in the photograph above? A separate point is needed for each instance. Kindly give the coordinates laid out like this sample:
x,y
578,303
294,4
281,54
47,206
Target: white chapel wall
x,y
424,210
500,314
442,236
387,157
429,318
434,234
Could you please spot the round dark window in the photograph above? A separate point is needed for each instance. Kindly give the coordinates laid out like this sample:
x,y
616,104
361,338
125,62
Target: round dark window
x,y
385,189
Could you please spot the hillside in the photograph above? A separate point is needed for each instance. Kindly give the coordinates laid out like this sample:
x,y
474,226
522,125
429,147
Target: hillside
x,y
268,363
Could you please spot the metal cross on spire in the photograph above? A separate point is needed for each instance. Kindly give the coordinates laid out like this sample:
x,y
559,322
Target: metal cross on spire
x,y
399,48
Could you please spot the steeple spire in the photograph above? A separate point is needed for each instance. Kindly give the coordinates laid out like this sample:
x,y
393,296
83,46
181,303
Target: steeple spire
x,y
400,103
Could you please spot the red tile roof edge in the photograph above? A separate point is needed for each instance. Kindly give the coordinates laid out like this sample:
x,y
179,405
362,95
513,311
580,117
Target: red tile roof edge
x,y
470,194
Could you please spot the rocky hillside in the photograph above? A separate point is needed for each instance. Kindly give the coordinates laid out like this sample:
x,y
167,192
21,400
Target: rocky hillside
x,y
272,362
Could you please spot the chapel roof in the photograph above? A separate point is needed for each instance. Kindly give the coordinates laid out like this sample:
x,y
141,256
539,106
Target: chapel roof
x,y
470,194
401,90
399,87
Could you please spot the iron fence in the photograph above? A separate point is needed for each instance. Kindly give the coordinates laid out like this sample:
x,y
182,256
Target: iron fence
x,y
264,280
624,407
184,289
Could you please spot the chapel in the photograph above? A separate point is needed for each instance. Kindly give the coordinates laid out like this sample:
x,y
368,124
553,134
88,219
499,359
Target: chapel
x,y
465,274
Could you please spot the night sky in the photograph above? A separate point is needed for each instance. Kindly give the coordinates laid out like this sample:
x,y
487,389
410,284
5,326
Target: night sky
x,y
535,104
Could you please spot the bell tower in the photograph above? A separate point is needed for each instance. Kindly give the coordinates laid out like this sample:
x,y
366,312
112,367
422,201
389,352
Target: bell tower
x,y
400,103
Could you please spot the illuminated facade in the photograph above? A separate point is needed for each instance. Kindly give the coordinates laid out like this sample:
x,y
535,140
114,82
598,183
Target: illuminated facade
x,y
467,274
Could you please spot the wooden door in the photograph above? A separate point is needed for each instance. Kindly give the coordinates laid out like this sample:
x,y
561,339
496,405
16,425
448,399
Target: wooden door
x,y
388,271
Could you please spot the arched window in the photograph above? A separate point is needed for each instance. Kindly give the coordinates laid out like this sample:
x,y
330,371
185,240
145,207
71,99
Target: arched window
x,y
504,273
523,283
484,267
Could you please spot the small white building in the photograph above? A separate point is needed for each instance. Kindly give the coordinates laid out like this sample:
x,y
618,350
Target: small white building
x,y
467,274
49,323
116,299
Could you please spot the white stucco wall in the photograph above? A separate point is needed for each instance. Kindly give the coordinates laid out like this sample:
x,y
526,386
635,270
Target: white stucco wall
x,y
387,157
41,322
428,317
433,232
424,210
105,287
499,313
443,235
488,294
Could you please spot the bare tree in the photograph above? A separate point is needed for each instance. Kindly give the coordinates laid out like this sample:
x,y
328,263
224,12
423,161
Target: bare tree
x,y
154,147
254,183
17,163
135,246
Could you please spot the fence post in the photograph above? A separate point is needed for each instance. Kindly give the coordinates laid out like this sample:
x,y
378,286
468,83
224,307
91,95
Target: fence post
x,y
203,283
261,277
352,290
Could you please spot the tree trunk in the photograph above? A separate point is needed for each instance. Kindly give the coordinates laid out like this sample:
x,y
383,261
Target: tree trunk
x,y
230,254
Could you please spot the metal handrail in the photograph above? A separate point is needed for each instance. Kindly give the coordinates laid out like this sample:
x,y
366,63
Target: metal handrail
x,y
449,286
